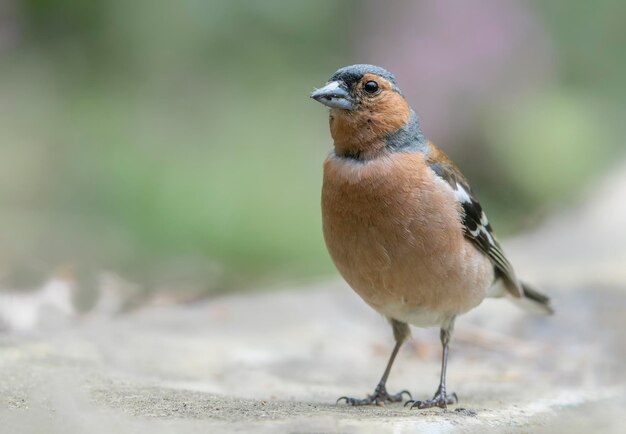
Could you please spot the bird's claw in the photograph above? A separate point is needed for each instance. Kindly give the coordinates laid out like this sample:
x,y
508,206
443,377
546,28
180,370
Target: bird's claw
x,y
379,397
441,400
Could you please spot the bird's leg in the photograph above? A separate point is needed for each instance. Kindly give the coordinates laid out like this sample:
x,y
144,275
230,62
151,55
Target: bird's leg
x,y
380,395
442,398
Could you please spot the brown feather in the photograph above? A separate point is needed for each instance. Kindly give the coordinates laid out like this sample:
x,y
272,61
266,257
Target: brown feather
x,y
393,230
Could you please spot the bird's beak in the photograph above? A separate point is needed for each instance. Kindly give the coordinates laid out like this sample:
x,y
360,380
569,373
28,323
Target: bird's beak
x,y
334,95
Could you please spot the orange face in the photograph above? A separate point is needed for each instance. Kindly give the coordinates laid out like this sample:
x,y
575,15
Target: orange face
x,y
377,109
376,102
366,110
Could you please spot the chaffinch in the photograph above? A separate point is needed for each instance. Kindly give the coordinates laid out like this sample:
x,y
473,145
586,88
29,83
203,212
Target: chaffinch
x,y
401,223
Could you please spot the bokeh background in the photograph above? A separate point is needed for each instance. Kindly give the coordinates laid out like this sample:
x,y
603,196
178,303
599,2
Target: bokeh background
x,y
162,266
174,144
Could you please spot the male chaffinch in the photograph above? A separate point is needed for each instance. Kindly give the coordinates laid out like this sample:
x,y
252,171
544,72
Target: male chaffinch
x,y
401,222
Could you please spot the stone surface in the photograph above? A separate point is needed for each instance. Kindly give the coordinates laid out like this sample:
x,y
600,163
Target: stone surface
x,y
277,361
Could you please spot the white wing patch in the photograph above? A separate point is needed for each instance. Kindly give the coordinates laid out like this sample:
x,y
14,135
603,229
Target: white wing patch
x,y
482,227
484,230
483,219
462,195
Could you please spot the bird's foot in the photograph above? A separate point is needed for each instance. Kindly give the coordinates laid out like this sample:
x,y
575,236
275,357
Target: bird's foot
x,y
441,400
379,397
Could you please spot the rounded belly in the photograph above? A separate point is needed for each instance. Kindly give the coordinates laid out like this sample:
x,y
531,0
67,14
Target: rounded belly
x,y
416,287
394,232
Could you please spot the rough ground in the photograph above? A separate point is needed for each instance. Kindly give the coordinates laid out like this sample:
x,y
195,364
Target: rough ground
x,y
276,361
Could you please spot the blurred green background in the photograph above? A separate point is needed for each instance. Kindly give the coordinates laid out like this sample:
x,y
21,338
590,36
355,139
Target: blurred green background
x,y
175,144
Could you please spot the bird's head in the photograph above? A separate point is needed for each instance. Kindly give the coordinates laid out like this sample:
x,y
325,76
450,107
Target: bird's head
x,y
366,109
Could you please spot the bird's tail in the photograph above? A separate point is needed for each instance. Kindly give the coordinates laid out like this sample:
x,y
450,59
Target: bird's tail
x,y
534,301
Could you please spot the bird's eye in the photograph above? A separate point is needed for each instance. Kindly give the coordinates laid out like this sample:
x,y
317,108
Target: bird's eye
x,y
370,87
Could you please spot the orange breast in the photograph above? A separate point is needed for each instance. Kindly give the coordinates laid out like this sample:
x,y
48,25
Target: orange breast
x,y
393,230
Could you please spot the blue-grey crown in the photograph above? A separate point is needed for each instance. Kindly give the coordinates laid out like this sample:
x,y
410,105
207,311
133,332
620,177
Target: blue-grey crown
x,y
353,73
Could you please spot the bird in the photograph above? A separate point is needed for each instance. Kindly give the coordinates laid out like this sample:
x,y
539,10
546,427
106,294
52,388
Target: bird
x,y
401,223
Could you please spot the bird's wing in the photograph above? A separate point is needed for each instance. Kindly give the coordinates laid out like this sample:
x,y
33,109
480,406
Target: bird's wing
x,y
476,227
